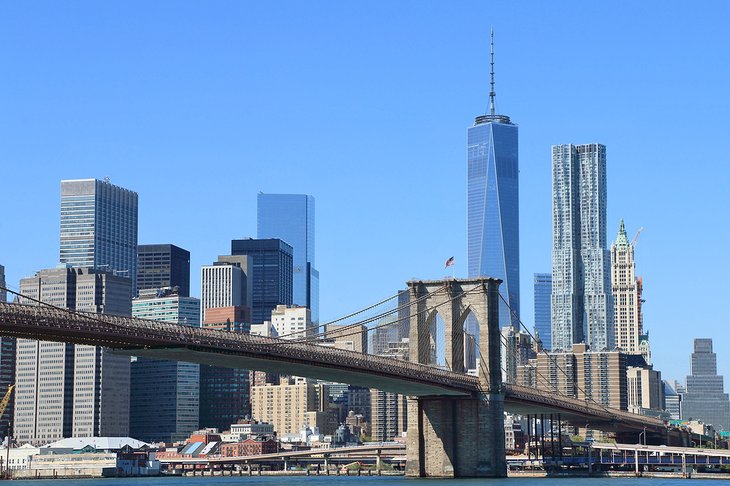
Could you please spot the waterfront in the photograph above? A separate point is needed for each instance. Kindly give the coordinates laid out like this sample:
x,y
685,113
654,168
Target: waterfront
x,y
362,481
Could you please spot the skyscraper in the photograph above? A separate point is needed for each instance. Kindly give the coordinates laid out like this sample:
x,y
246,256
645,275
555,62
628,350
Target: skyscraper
x,y
543,288
64,390
270,264
626,289
493,204
226,283
3,294
581,304
160,266
99,227
164,394
290,217
705,398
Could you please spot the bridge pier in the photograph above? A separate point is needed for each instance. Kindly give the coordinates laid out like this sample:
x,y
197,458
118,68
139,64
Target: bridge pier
x,y
457,436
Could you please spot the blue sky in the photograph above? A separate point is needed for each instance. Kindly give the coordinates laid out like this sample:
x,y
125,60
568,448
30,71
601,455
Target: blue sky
x,y
197,106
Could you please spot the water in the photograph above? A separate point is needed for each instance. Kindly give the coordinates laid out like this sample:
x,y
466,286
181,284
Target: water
x,y
363,481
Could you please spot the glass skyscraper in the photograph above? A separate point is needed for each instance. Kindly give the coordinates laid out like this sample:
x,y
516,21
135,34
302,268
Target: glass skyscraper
x,y
581,303
290,217
99,227
493,206
270,277
705,398
543,289
160,266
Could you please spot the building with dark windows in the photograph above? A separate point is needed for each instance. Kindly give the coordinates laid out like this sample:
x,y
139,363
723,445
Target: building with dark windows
x,y
493,207
3,294
160,266
543,289
581,302
164,394
290,217
271,274
99,227
705,398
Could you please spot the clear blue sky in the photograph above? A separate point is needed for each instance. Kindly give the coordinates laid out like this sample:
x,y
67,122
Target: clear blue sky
x,y
197,106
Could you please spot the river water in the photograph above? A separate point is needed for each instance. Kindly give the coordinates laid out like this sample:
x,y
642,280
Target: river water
x,y
364,481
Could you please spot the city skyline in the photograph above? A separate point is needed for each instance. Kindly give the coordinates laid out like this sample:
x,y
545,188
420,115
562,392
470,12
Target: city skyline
x,y
386,262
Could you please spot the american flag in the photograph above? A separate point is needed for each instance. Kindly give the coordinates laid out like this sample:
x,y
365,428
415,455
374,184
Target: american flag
x,y
449,262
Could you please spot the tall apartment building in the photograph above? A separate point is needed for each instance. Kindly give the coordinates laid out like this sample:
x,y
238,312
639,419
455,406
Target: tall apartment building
x,y
627,289
599,376
226,283
164,394
162,266
291,405
493,218
581,304
64,390
705,398
389,415
543,286
290,217
271,274
99,227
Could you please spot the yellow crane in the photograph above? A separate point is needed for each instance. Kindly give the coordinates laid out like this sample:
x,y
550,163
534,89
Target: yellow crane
x,y
3,406
6,399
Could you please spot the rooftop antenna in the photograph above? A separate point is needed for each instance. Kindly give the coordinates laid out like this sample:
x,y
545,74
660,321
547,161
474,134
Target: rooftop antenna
x,y
492,94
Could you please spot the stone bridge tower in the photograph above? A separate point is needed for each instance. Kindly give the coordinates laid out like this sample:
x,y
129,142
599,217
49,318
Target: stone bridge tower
x,y
457,436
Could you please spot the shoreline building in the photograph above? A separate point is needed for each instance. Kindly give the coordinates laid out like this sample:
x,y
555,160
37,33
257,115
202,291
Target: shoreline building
x,y
290,217
705,398
627,289
543,285
493,206
99,227
162,266
164,394
65,390
581,303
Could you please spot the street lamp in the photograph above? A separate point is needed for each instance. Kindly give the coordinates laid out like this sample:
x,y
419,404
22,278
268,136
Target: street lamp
x,y
644,434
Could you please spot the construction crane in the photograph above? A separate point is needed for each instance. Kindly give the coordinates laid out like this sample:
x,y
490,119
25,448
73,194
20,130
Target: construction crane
x,y
3,406
633,242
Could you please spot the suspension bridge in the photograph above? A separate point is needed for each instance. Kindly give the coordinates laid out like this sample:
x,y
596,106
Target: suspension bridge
x,y
455,419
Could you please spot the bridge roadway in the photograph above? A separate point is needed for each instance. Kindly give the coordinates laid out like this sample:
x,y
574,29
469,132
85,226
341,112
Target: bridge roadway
x,y
355,451
161,340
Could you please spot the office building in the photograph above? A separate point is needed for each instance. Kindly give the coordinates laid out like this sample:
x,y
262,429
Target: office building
x,y
226,283
493,206
543,285
672,401
271,274
517,349
290,217
7,364
99,227
348,336
65,390
626,289
705,398
224,392
645,390
292,322
161,266
581,304
164,394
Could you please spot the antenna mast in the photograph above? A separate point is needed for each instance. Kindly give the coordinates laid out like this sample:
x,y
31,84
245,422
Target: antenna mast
x,y
492,94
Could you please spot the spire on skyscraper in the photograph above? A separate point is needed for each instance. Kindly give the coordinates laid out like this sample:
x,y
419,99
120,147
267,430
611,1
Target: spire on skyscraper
x,y
622,240
492,94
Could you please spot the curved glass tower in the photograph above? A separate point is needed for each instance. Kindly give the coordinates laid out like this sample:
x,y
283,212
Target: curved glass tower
x,y
493,205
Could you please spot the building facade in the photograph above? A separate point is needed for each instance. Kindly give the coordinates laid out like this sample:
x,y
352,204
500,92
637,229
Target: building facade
x,y
581,303
705,398
291,405
165,394
161,266
627,290
290,217
493,206
3,293
271,277
645,390
543,285
226,283
292,322
99,227
65,390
